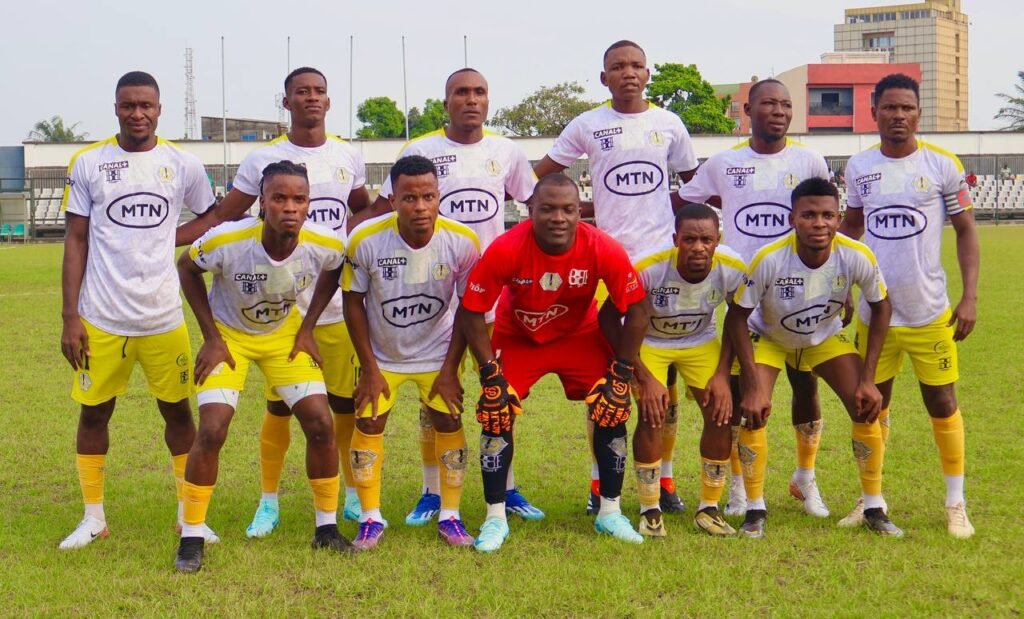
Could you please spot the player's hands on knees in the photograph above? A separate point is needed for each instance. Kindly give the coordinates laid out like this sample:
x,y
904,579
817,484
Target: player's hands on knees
x,y
848,309
74,342
652,400
718,399
370,386
448,386
498,400
211,354
755,407
868,401
609,398
965,315
306,343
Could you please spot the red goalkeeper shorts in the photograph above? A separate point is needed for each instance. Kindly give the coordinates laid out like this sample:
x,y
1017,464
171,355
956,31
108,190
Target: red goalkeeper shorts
x,y
578,360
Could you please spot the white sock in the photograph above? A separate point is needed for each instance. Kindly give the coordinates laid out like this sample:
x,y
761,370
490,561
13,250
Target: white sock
x,y
647,508
736,487
756,504
445,514
609,506
373,514
702,505
270,497
954,490
872,501
323,518
666,468
803,476
496,510
431,479
181,512
192,530
510,483
595,473
95,510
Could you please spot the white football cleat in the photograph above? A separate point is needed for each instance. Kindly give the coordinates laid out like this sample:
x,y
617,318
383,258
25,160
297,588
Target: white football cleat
x,y
957,523
88,529
856,516
737,503
811,497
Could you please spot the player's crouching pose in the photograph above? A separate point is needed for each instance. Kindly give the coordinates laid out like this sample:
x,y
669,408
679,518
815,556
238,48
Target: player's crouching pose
x,y
402,271
685,285
546,322
798,286
259,267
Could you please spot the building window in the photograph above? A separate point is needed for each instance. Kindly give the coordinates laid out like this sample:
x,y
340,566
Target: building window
x,y
830,101
734,107
880,41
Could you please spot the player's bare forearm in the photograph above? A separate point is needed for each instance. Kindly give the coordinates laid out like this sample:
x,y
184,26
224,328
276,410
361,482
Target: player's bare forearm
x,y
194,288
325,289
739,338
546,166
359,329
968,252
359,199
456,348
380,206
187,233
634,327
473,326
853,223
725,357
609,319
881,314
76,253
233,207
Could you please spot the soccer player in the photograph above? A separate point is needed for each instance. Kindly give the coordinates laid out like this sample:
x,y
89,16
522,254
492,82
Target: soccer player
x,y
120,295
633,147
477,171
901,192
685,285
752,183
797,288
401,275
337,176
546,271
259,267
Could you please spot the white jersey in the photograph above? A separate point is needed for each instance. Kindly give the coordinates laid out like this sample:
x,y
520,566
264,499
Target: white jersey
x,y
474,178
410,293
754,190
252,292
133,201
335,169
631,157
905,203
797,306
683,313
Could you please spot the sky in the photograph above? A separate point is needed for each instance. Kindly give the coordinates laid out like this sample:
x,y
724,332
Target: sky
x,y
64,58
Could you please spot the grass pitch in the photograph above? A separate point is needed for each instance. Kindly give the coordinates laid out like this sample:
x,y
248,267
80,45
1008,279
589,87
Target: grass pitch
x,y
556,567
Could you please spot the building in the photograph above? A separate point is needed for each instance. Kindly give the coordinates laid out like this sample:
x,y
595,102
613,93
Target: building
x,y
242,129
931,34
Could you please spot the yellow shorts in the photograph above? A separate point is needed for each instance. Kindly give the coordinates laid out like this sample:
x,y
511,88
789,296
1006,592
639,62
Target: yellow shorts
x,y
931,349
166,359
767,352
270,353
424,381
754,337
696,365
340,359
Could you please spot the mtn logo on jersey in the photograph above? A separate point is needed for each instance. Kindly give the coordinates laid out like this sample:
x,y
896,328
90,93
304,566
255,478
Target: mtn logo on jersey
x,y
896,222
139,210
268,312
411,310
806,320
470,206
328,212
678,325
764,220
634,178
536,320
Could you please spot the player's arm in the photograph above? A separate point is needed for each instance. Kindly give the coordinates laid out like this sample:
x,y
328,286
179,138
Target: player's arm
x,y
74,341
867,396
853,222
380,206
323,291
965,314
359,199
653,396
447,383
214,351
231,208
371,383
717,393
755,405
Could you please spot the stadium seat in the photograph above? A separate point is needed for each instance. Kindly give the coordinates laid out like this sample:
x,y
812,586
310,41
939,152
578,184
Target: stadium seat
x,y
6,231
18,232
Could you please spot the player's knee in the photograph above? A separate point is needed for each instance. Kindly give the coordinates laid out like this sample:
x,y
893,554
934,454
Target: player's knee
x,y
211,437
340,405
318,429
371,426
95,418
939,400
444,422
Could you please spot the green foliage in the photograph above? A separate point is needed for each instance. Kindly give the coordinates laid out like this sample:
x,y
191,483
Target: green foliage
x,y
381,118
432,118
681,89
53,130
546,112
1013,111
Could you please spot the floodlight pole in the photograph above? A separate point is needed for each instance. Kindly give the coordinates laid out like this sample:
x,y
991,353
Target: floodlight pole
x,y
351,69
405,91
224,113
465,50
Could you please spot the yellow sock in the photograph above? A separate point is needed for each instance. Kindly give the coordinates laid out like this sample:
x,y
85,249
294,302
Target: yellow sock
x,y
808,436
366,456
90,476
275,436
428,439
647,486
753,454
883,421
178,465
451,453
325,493
734,455
949,437
869,450
712,480
197,501
344,425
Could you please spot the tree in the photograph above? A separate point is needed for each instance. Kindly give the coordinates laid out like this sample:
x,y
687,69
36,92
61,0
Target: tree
x,y
1013,112
53,130
381,118
681,89
432,118
546,112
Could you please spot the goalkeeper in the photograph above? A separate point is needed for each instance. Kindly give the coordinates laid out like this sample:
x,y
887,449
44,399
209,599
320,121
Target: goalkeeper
x,y
548,268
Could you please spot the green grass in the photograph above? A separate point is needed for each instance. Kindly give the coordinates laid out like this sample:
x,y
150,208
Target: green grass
x,y
555,567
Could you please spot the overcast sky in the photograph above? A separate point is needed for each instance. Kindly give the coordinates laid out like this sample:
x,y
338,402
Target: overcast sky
x,y
64,57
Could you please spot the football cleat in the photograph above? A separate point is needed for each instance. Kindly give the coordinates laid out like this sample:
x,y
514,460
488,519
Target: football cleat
x,y
753,524
209,536
856,516
652,524
737,503
811,497
264,521
493,533
328,537
425,510
957,523
516,503
454,532
876,520
619,527
190,555
670,502
370,533
87,530
710,521
352,508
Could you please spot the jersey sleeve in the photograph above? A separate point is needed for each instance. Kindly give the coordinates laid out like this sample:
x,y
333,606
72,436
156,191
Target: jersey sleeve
x,y
469,256
77,198
570,144
733,270
198,196
358,169
487,278
520,180
869,277
682,157
701,186
853,199
247,178
206,253
618,275
355,276
754,284
820,167
956,194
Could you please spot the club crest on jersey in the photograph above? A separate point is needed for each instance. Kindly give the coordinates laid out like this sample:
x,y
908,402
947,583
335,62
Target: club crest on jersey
x,y
839,283
493,167
410,310
790,181
441,271
536,320
634,178
268,312
165,173
341,175
714,296
922,184
551,281
304,280
657,138
578,278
